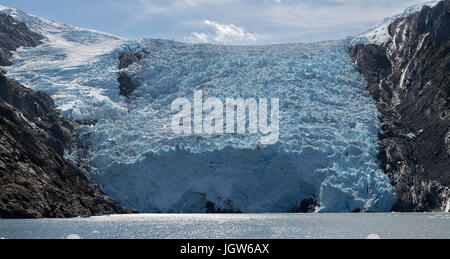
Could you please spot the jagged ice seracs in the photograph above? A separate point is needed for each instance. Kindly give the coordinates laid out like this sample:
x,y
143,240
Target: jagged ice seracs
x,y
327,147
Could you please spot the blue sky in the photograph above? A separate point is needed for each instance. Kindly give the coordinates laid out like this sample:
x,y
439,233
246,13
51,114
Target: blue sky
x,y
220,21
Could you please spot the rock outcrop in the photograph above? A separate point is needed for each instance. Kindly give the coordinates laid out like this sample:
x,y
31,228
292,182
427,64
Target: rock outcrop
x,y
409,78
127,84
35,179
14,34
307,206
128,58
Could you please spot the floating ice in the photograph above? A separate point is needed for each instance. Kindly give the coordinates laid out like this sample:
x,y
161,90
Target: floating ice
x,y
374,236
73,236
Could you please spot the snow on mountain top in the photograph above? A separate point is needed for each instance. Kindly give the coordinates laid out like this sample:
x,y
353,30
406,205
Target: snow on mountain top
x,y
30,19
74,65
380,34
79,44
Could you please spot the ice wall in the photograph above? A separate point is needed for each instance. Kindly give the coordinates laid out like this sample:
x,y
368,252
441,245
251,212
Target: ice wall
x,y
328,143
327,146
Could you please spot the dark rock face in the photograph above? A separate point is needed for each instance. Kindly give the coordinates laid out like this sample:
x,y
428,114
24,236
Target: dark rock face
x,y
35,180
409,78
307,206
127,84
128,58
226,209
14,34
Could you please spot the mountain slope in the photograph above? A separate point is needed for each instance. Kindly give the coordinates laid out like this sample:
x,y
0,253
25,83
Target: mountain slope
x,y
409,77
76,66
14,35
35,179
380,34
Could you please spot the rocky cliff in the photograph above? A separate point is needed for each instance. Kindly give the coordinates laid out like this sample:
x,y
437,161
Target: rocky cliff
x,y
409,78
35,179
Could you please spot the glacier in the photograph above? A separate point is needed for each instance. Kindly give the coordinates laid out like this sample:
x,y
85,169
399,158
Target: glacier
x,y
328,130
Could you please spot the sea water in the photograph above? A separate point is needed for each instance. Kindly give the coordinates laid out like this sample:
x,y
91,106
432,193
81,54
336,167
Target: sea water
x,y
240,226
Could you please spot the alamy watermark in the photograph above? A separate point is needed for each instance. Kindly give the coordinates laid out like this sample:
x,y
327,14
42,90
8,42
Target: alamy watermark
x,y
207,117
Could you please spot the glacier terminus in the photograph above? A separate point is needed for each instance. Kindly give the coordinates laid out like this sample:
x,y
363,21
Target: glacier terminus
x,y
326,151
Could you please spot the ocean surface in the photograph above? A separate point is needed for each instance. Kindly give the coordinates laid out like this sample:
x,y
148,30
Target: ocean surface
x,y
240,226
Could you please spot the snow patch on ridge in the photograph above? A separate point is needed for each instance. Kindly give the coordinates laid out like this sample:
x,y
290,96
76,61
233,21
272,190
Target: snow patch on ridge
x,y
380,34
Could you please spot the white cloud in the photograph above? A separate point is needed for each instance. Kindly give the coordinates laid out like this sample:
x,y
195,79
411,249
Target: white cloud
x,y
223,34
257,21
199,38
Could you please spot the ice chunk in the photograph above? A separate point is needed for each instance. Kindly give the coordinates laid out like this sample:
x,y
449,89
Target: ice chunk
x,y
373,236
73,236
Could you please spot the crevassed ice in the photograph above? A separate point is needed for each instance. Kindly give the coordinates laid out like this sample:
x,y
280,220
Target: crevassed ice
x,y
327,146
328,131
75,66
